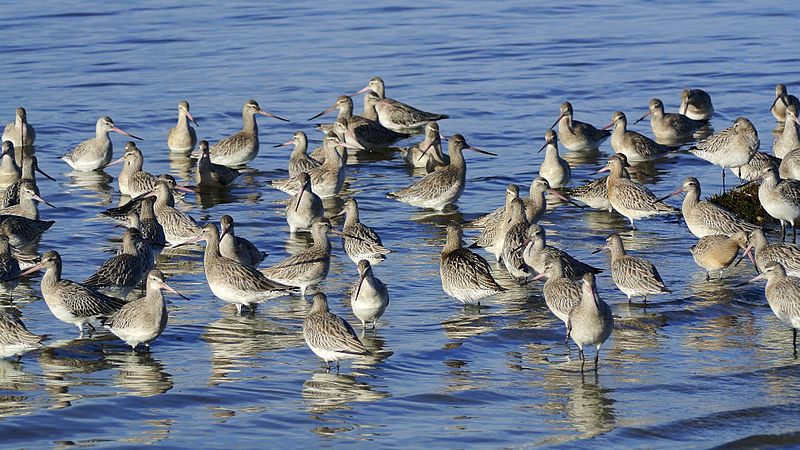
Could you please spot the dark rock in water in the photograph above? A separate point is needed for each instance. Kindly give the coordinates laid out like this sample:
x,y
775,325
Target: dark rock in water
x,y
743,201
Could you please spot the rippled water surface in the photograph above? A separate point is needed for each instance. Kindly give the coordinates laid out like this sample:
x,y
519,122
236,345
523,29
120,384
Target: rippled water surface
x,y
705,365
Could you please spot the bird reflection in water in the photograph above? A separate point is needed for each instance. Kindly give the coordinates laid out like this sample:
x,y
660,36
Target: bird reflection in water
x,y
14,378
140,373
97,181
327,391
64,366
236,342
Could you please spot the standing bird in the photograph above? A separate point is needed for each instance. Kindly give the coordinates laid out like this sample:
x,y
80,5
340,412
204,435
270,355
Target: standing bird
x,y
299,161
240,148
359,241
595,193
783,295
731,147
633,276
512,244
554,169
781,200
465,275
577,135
781,102
537,253
590,322
95,153
147,223
788,141
232,281
120,274
493,234
718,251
370,296
696,104
329,336
561,294
705,218
670,126
635,146
9,267
182,138
304,207
631,199
179,227
143,320
764,252
10,172
752,170
397,116
15,339
210,175
362,131
238,248
327,180
20,133
307,268
72,302
428,153
28,203
132,180
443,186
30,165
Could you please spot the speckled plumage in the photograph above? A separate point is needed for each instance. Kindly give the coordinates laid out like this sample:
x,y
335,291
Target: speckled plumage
x,y
210,175
575,135
537,253
590,322
358,240
705,218
238,248
329,336
123,272
15,339
634,276
240,148
631,199
394,115
635,146
466,276
309,267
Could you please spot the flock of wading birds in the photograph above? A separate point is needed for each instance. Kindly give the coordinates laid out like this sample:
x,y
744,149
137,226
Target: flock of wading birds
x,y
510,233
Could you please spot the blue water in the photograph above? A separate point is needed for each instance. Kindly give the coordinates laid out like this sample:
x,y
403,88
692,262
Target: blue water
x,y
706,365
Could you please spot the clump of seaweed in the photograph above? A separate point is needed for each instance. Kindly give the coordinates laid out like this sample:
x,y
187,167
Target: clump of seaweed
x,y
743,201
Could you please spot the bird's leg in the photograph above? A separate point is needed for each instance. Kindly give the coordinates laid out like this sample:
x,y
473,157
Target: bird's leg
x,y
583,358
794,340
596,358
783,231
337,367
723,180
740,175
327,367
374,324
794,235
708,276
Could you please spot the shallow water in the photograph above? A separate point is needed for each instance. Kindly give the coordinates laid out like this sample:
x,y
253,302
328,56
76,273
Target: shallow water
x,y
705,365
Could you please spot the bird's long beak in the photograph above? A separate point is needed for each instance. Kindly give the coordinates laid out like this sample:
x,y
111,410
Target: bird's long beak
x,y
604,169
425,150
557,120
289,142
685,107
562,197
363,90
40,199
45,175
355,146
125,133
642,118
609,126
675,192
179,187
599,249
333,107
169,288
300,197
269,114
539,276
119,160
756,278
480,151
360,282
543,147
189,116
32,269
522,245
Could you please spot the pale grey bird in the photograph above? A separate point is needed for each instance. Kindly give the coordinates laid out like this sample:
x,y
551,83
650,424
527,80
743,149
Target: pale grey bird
x,y
370,297
238,248
783,295
590,322
576,135
634,276
240,148
95,153
182,138
358,240
731,147
696,104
